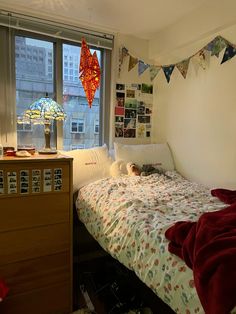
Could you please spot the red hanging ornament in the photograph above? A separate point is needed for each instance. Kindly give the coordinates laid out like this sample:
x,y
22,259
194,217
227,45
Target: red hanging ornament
x,y
90,72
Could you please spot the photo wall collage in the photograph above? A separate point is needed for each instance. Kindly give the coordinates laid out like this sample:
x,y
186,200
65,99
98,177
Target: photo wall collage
x,y
133,110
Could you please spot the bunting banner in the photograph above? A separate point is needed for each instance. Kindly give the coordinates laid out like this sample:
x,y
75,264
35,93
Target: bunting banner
x,y
183,67
132,62
230,52
142,67
154,70
168,71
200,58
216,46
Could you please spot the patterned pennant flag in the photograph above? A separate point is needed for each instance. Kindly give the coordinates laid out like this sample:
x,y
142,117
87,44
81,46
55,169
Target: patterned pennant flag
x,y
122,54
168,71
132,62
216,46
142,67
154,70
183,67
230,52
201,59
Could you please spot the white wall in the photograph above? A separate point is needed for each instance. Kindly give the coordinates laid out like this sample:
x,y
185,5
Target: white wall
x,y
137,48
197,115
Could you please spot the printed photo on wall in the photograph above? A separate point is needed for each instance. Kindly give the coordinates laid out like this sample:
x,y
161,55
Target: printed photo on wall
x,y
141,130
130,123
133,110
130,93
119,119
119,130
120,86
120,99
131,103
129,133
130,113
147,88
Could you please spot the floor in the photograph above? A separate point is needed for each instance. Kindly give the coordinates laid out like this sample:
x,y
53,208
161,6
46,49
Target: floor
x,y
107,287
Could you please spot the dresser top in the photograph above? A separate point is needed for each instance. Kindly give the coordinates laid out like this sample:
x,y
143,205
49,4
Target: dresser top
x,y
35,158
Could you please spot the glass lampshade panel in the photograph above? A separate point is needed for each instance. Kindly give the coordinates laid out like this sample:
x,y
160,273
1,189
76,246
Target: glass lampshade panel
x,y
45,109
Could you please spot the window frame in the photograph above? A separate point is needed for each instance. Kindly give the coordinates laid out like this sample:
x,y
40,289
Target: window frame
x,y
78,121
8,130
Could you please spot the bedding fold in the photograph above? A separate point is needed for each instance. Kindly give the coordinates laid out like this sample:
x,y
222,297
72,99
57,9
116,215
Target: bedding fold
x,y
208,247
226,196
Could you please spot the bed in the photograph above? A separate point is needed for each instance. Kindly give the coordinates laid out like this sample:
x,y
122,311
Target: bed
x,y
129,215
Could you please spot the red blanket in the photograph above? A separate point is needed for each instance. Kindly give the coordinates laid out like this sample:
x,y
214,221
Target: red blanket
x,y
226,196
208,246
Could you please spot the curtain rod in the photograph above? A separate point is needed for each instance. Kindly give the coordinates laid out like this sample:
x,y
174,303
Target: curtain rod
x,y
57,24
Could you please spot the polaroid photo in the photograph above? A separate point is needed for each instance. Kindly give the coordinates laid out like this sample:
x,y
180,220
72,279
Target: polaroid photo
x,y
24,173
24,191
36,172
57,187
1,173
58,171
35,190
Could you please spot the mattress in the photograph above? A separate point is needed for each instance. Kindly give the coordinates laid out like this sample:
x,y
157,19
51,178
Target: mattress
x,y
128,216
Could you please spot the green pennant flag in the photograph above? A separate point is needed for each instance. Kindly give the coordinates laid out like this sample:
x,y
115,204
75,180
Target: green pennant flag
x,y
183,67
154,70
216,46
132,62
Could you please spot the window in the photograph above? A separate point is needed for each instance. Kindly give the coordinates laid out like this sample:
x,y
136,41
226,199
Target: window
x,y
32,82
96,126
76,146
37,57
77,126
24,127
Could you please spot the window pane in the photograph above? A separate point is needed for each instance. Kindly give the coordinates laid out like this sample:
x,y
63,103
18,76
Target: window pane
x,y
34,77
76,105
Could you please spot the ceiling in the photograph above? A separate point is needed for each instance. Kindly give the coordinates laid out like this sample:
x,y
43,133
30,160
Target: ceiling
x,y
138,18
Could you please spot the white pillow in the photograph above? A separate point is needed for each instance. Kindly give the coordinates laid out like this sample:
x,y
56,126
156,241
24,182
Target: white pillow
x,y
89,165
154,154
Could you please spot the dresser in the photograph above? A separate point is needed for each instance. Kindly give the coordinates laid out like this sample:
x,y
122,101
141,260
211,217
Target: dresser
x,y
36,234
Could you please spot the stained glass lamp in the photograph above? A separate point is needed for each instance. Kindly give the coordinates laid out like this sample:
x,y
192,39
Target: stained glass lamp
x,y
44,111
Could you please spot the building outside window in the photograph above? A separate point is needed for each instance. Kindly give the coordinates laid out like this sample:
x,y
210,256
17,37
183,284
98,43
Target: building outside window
x,y
77,126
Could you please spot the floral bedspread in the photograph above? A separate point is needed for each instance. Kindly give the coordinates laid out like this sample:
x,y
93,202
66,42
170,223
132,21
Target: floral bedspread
x,y
128,216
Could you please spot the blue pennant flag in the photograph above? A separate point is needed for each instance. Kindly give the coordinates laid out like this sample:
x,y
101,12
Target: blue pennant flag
x,y
168,71
230,52
142,67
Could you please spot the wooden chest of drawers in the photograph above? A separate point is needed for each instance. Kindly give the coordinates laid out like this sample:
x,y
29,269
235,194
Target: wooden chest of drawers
x,y
36,234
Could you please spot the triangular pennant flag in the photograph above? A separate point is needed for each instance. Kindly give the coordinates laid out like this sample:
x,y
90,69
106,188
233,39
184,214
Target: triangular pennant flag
x,y
122,54
142,67
154,70
183,67
216,46
132,62
201,59
168,71
230,52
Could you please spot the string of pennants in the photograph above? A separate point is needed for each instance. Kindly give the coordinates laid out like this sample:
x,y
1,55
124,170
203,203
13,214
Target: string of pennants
x,y
213,48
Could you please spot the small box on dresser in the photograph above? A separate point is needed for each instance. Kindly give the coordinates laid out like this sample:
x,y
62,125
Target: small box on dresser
x,y
36,234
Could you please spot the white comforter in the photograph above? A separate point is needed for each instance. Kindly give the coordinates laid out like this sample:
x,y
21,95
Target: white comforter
x,y
128,216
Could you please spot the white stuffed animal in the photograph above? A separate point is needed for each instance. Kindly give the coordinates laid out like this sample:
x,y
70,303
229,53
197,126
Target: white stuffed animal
x,y
118,168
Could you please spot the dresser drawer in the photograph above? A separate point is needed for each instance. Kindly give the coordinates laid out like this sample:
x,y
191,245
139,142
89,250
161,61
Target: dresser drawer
x,y
26,244
30,211
50,300
37,273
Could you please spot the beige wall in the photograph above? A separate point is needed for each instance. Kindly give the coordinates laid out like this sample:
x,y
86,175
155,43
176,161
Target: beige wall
x,y
196,115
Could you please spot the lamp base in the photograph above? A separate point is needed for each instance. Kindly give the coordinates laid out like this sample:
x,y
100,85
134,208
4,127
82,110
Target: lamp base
x,y
47,151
